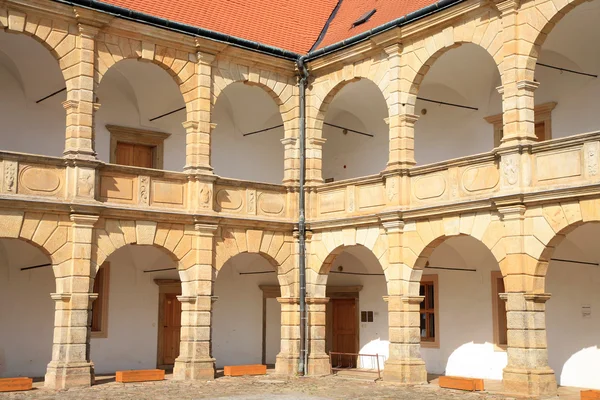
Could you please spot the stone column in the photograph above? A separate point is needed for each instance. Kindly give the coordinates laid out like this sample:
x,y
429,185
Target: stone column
x,y
527,371
314,160
71,365
405,364
195,361
318,360
198,126
291,161
288,357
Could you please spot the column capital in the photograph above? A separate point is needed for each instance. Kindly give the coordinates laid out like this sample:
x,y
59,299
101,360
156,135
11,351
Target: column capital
x,y
528,86
205,58
206,229
408,119
289,141
84,220
537,297
514,211
316,141
394,49
288,300
317,300
508,6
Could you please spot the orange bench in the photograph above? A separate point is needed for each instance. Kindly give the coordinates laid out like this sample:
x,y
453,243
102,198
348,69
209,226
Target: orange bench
x,y
15,384
142,375
590,395
240,370
456,382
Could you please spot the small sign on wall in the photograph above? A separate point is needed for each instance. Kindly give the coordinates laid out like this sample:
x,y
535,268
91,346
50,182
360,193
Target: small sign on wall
x,y
586,311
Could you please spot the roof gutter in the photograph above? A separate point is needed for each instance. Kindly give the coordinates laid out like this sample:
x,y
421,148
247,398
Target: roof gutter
x,y
148,19
416,15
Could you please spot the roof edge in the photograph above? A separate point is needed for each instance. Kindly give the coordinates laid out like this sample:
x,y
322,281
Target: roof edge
x,y
164,23
361,37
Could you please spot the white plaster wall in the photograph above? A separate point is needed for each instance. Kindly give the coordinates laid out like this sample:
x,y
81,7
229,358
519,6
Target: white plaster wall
x,y
26,310
237,313
132,310
465,312
574,340
244,109
359,106
373,336
273,330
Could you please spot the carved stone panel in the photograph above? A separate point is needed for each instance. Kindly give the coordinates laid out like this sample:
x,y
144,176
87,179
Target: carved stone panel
x,y
332,202
565,164
251,201
41,180
429,186
144,190
229,200
10,176
120,188
591,153
480,177
271,203
168,194
371,196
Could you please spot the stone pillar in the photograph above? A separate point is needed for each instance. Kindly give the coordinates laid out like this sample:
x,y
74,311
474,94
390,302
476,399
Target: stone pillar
x,y
71,365
288,357
405,364
195,361
291,161
314,160
318,360
527,371
401,118
198,126
81,100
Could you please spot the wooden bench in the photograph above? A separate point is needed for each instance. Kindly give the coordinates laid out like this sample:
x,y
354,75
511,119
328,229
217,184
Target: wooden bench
x,y
456,382
142,375
240,370
590,395
15,384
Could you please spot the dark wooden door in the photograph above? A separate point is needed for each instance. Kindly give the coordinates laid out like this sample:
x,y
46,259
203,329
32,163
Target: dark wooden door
x,y
171,328
135,155
345,330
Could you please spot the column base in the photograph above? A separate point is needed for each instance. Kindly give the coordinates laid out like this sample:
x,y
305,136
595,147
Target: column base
x,y
319,365
410,371
530,382
287,364
60,376
194,370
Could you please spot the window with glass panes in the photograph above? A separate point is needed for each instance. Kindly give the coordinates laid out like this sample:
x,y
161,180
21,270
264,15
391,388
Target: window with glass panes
x,y
428,305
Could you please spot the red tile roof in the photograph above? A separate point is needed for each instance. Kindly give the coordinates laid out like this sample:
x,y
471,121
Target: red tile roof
x,y
293,25
341,28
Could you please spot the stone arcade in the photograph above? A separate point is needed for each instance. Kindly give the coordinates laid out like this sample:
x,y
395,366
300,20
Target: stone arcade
x,y
452,187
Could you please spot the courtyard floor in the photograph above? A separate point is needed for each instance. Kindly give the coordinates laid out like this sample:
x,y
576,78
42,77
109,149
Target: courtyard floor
x,y
268,387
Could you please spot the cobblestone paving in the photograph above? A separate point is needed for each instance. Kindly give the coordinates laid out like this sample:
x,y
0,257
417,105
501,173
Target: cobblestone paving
x,y
253,388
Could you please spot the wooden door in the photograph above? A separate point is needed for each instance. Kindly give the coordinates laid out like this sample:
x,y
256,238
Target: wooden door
x,y
171,328
135,155
345,330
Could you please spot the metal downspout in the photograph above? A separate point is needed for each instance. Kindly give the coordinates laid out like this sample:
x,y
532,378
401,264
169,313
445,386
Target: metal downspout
x,y
303,361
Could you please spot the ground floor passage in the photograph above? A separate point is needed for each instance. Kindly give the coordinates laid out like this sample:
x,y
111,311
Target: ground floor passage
x,y
136,319
270,387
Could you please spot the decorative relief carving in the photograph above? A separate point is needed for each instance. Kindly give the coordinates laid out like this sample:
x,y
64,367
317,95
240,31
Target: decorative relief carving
x,y
480,178
591,157
270,203
205,195
10,176
144,188
85,187
44,181
510,169
351,195
229,199
391,188
251,201
429,186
